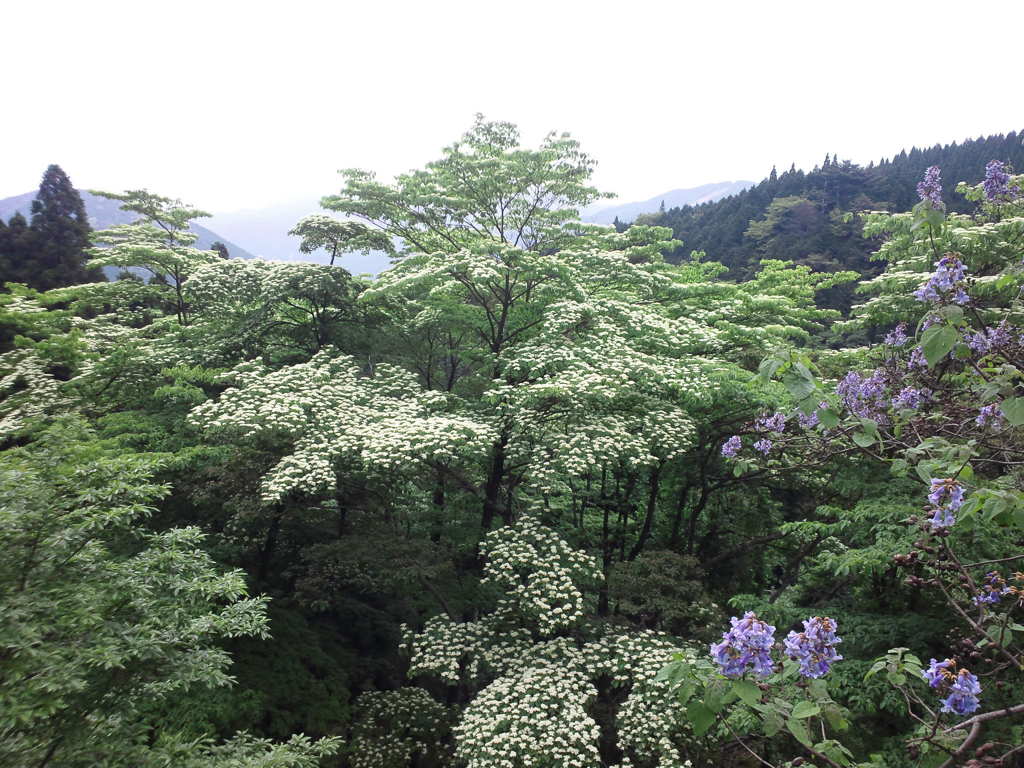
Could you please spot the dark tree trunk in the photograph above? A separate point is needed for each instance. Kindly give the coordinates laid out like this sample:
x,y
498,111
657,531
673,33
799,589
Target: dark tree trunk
x,y
654,485
267,551
606,562
492,489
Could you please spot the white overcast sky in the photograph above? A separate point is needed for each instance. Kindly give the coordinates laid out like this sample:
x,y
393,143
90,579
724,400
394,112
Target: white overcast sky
x,y
233,105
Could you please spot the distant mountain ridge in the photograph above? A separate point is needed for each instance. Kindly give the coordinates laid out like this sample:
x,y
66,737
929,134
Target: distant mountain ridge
x,y
104,212
674,198
263,232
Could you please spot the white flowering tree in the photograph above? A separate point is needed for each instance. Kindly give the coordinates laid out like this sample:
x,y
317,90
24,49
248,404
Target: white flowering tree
x,y
329,413
542,685
252,306
586,370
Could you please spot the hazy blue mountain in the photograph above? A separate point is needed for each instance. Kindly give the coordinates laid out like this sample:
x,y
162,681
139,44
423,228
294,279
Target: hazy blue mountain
x,y
676,198
264,231
104,213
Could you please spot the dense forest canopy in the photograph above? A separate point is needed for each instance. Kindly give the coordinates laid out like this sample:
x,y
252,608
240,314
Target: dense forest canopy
x,y
545,493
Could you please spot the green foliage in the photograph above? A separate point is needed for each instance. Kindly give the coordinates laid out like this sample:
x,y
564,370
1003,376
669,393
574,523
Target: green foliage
x,y
502,193
103,623
159,241
487,490
319,232
664,591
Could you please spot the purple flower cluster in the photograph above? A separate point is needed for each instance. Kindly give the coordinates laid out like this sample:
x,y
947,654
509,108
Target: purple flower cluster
x,y
809,420
909,397
938,672
917,359
747,644
946,491
963,694
929,189
947,496
983,342
897,337
732,446
992,588
774,423
962,687
944,282
997,180
989,415
815,647
864,397
764,445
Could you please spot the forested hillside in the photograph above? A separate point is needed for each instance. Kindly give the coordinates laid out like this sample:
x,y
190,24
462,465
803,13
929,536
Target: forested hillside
x,y
542,495
799,215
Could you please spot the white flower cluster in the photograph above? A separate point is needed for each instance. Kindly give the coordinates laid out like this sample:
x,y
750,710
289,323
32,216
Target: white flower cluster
x,y
536,716
465,651
27,391
652,727
22,305
538,573
130,357
537,712
228,285
329,411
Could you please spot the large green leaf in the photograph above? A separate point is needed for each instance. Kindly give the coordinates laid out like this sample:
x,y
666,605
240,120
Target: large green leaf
x,y
700,717
748,691
806,709
799,729
863,439
1013,410
800,383
936,343
829,418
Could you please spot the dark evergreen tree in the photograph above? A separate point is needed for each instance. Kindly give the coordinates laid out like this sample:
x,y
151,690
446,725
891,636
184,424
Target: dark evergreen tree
x,y
220,248
17,245
60,228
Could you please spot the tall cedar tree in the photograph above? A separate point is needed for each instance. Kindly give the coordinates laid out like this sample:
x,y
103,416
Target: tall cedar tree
x,y
60,228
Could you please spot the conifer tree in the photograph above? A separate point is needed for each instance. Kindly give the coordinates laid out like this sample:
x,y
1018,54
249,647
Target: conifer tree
x,y
16,247
61,228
